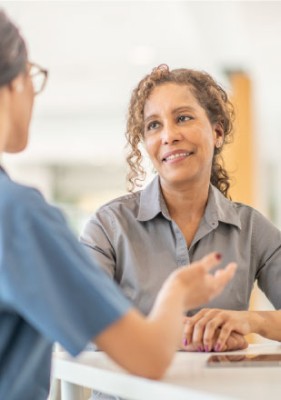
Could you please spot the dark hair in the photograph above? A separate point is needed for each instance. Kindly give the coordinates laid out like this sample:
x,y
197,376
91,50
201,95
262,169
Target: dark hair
x,y
13,52
210,95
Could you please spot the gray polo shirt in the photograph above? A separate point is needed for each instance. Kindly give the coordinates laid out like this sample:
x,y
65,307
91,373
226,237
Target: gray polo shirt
x,y
139,245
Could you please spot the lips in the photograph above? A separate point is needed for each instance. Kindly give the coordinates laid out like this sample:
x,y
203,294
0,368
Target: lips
x,y
176,155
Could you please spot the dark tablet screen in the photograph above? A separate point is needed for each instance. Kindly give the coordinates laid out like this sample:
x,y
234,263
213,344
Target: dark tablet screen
x,y
245,360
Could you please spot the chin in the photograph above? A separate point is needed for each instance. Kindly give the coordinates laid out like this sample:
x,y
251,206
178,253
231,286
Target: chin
x,y
16,148
21,148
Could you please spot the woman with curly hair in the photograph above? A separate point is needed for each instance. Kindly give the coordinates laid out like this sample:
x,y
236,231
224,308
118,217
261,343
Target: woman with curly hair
x,y
182,118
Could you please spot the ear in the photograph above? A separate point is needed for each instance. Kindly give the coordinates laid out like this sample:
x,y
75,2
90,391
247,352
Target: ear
x,y
218,135
17,84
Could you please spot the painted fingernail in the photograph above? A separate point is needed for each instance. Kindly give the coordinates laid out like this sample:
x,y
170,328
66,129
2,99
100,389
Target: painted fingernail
x,y
185,342
217,347
206,349
199,348
218,256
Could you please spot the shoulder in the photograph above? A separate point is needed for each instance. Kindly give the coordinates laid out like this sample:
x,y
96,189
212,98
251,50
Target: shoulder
x,y
127,200
246,210
247,218
113,216
20,202
130,205
17,195
250,216
10,188
119,207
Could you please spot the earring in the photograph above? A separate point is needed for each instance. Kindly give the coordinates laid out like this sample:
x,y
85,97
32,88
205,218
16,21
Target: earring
x,y
218,143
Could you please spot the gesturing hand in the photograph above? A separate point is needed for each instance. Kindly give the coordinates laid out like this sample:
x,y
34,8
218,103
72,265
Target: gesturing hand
x,y
201,286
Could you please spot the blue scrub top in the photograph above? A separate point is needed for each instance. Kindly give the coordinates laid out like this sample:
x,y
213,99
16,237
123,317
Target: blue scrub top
x,y
50,290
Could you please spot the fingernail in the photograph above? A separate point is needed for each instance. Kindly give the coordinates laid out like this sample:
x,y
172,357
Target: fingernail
x,y
217,347
199,348
185,342
218,256
207,349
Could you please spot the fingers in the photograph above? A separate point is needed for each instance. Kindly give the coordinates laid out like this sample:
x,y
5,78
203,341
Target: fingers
x,y
213,259
201,329
235,321
243,344
203,286
210,261
210,329
236,342
223,336
223,276
211,333
188,332
190,323
190,348
230,339
225,324
198,335
206,264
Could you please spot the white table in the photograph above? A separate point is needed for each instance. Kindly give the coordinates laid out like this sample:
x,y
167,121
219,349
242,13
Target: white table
x,y
187,378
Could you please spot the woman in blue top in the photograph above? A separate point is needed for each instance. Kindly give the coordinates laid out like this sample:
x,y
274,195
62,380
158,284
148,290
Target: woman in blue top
x,y
50,290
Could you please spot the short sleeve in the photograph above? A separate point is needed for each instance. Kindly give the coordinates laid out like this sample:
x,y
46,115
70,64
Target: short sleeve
x,y
47,277
96,236
267,248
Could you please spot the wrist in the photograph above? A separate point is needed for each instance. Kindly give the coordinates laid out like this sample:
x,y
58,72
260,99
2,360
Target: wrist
x,y
178,289
173,294
257,323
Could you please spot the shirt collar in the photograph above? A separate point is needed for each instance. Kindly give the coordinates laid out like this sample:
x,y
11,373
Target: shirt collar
x,y
152,202
219,208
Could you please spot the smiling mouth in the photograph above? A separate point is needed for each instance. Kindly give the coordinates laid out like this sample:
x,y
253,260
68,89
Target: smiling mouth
x,y
177,155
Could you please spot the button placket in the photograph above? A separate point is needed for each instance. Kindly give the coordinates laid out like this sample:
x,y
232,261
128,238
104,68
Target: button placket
x,y
182,254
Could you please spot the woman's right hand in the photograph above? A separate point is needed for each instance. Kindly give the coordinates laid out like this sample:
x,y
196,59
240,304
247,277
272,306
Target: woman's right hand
x,y
234,342
212,328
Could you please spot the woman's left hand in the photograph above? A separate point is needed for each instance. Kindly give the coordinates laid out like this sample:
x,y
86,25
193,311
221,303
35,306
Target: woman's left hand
x,y
210,329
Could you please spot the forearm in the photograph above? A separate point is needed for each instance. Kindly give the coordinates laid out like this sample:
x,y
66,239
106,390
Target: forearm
x,y
144,347
266,324
162,330
166,318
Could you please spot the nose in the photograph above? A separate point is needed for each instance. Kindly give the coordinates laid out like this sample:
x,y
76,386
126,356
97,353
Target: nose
x,y
170,134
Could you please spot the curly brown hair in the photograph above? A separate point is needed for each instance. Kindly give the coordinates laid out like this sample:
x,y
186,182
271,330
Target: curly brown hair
x,y
210,95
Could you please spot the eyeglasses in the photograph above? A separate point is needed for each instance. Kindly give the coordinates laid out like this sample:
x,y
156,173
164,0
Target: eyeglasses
x,y
38,76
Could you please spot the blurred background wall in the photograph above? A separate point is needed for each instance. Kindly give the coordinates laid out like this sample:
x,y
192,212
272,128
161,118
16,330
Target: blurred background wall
x,y
97,51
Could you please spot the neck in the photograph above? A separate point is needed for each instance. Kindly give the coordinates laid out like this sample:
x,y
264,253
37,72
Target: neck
x,y
187,202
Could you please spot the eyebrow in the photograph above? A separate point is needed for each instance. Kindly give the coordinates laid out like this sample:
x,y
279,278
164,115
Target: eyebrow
x,y
174,111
